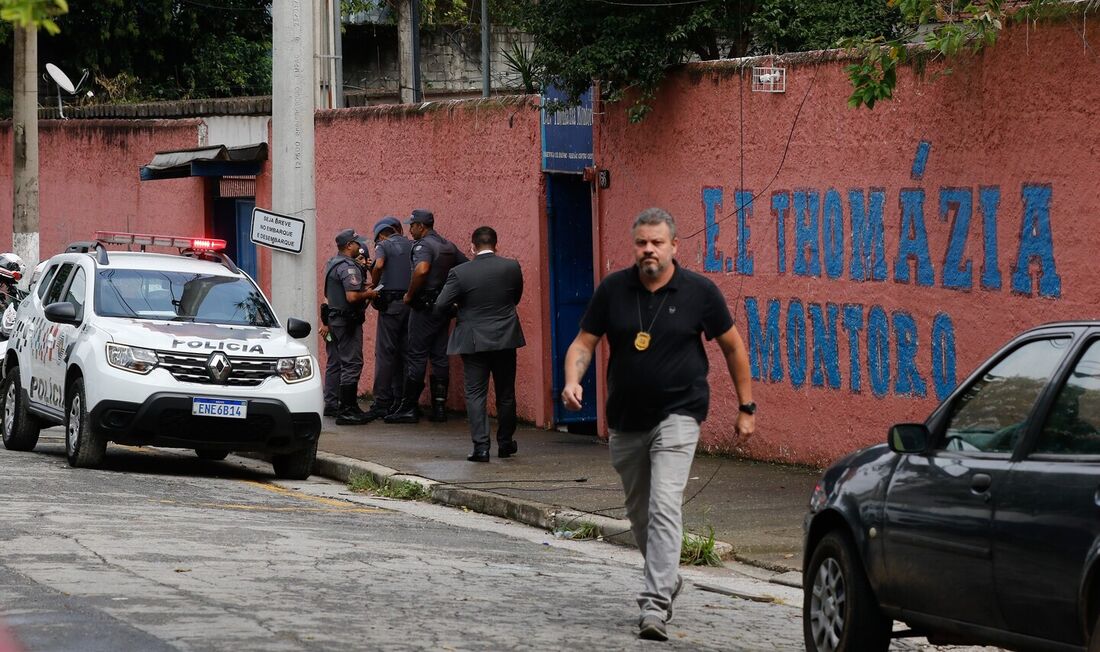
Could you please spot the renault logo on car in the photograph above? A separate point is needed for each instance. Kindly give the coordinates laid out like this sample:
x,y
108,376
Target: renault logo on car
x,y
219,366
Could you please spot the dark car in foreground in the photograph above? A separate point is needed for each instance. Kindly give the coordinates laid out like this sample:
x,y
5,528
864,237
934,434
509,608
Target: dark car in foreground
x,y
979,526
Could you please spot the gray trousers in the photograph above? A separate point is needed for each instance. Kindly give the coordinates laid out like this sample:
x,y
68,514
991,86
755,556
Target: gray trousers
x,y
476,368
654,467
345,357
391,338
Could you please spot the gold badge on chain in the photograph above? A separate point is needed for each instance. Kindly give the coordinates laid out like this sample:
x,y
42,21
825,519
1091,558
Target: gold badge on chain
x,y
641,341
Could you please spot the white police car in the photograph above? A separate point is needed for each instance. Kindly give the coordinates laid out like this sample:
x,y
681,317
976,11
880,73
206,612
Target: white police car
x,y
140,348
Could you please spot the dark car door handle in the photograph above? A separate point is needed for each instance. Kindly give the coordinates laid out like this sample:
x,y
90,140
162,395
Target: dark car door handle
x,y
981,482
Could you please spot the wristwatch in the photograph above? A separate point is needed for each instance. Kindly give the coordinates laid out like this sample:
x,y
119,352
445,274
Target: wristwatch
x,y
747,408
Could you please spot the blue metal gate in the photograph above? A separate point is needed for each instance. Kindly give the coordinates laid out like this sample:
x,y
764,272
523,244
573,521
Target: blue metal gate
x,y
569,209
246,251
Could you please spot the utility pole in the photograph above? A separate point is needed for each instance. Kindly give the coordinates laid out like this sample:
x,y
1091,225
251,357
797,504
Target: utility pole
x,y
408,46
294,277
486,63
25,160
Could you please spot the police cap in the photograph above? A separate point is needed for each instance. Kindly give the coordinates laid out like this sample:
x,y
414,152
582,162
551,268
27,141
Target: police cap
x,y
421,216
383,224
345,236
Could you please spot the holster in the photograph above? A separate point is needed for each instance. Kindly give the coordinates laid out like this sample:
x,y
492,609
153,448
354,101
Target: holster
x,y
425,300
324,314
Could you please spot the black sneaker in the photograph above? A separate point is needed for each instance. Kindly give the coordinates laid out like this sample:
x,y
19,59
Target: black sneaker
x,y
652,628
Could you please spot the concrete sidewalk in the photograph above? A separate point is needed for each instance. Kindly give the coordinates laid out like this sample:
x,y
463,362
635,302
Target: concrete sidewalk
x,y
754,506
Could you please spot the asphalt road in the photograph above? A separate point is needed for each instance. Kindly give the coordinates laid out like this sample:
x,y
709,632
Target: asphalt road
x,y
161,551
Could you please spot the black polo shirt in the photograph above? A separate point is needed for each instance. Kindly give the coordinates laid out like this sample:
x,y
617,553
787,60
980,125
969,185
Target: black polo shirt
x,y
670,376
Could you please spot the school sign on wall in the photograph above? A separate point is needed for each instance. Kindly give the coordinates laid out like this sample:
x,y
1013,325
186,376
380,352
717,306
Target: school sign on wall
x,y
566,132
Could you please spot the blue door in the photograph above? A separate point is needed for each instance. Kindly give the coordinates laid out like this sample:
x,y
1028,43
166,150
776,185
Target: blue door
x,y
569,209
246,251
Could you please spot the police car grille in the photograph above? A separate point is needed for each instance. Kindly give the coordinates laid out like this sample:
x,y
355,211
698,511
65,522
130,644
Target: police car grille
x,y
191,368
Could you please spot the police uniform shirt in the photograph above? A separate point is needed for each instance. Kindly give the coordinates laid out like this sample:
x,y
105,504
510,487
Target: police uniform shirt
x,y
395,273
670,376
441,254
344,275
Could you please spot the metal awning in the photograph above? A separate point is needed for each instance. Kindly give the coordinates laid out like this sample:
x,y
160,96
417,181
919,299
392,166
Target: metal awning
x,y
211,161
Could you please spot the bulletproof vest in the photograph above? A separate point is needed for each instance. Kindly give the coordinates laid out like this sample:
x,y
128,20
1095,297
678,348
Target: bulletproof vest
x,y
334,287
446,257
397,272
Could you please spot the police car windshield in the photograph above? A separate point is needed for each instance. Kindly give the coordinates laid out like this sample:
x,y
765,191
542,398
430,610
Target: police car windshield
x,y
180,296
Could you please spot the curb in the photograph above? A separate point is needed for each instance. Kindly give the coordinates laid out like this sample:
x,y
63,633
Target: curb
x,y
548,517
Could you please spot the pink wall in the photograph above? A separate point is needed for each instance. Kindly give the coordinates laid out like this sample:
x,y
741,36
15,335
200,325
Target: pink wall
x,y
1010,144
89,180
472,163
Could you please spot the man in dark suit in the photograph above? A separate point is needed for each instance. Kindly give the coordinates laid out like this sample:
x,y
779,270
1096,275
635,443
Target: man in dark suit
x,y
486,335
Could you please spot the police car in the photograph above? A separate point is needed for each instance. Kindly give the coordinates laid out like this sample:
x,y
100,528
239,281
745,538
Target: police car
x,y
139,348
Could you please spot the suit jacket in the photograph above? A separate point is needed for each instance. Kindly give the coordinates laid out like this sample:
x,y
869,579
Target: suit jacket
x,y
486,290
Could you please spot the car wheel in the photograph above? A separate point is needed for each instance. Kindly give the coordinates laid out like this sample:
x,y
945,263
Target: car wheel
x,y
19,427
84,445
839,611
212,455
295,466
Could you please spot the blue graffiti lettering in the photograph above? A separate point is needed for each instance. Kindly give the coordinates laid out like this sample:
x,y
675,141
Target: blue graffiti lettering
x,y
914,240
878,351
796,343
833,218
807,233
943,355
908,381
764,344
957,275
744,214
1036,243
868,257
826,358
712,205
853,323
989,198
781,202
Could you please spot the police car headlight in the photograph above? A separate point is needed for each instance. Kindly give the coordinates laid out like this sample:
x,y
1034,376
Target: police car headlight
x,y
131,358
295,370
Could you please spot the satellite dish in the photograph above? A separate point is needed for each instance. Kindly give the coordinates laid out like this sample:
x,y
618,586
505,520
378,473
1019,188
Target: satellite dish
x,y
61,78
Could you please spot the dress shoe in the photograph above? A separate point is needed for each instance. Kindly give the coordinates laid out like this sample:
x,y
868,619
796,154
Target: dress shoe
x,y
652,628
478,456
507,449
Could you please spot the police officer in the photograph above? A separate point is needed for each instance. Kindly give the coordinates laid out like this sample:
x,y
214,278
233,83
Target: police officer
x,y
342,327
391,271
432,259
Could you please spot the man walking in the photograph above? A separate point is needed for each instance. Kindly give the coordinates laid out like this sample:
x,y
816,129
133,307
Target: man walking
x,y
432,258
345,297
653,314
391,272
486,335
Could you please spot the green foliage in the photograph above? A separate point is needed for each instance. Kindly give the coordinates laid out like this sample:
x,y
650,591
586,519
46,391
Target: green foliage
x,y
795,25
698,549
33,13
397,489
520,60
629,48
940,30
142,50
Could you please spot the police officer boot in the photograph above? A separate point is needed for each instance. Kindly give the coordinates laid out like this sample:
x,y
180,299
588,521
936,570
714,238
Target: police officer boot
x,y
439,400
350,414
379,409
407,411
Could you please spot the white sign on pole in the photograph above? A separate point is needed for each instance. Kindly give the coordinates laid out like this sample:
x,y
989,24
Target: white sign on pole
x,y
276,231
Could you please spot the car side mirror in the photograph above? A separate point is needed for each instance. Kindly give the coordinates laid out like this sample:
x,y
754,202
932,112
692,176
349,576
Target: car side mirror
x,y
909,438
297,328
62,312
